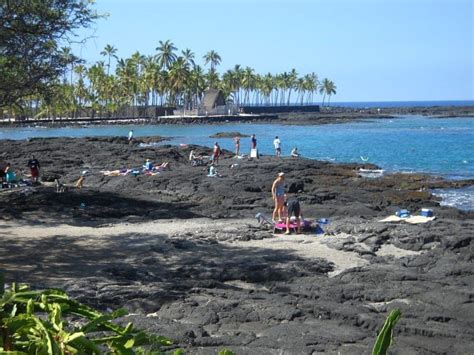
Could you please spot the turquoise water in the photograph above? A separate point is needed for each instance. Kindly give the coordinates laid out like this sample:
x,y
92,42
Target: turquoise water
x,y
443,147
410,144
385,104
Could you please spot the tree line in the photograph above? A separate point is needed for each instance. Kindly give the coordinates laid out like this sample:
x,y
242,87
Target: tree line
x,y
42,79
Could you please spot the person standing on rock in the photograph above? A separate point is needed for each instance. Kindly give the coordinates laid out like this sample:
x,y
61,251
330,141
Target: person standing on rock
x,y
237,145
130,136
216,153
278,195
277,145
34,166
254,141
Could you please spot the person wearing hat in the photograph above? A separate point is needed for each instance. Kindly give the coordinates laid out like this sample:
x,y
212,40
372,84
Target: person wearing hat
x,y
278,195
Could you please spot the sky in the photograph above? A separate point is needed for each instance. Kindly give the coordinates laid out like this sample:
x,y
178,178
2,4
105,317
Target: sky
x,y
374,50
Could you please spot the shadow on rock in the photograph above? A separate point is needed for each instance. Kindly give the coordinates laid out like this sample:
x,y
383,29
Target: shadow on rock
x,y
86,207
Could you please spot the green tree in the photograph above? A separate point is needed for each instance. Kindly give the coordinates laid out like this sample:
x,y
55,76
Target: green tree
x,y
327,88
31,32
178,75
212,79
188,55
166,54
248,83
213,58
109,51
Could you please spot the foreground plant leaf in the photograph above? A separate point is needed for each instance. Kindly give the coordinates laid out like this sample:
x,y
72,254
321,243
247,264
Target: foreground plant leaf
x,y
38,322
384,339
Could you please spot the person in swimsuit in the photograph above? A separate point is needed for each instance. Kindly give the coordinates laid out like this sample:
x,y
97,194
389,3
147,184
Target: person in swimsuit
x,y
216,153
237,145
294,208
278,195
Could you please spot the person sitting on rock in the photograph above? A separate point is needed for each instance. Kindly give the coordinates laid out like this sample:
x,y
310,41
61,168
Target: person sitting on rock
x,y
162,166
213,172
10,175
80,181
294,153
148,165
196,160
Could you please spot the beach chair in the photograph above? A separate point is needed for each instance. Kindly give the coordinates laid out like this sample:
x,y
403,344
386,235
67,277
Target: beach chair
x,y
264,221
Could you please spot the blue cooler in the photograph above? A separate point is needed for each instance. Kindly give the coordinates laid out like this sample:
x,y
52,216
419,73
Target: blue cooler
x,y
426,212
402,213
322,221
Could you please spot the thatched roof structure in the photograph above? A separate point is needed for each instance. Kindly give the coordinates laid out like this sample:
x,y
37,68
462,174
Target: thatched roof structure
x,y
212,98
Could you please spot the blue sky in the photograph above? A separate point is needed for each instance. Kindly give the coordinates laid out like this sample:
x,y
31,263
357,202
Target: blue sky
x,y
374,50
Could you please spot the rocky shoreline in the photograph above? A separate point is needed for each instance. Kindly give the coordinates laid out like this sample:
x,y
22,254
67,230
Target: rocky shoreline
x,y
183,253
327,115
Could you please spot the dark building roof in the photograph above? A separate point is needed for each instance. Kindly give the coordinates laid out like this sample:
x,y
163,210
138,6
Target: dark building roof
x,y
212,98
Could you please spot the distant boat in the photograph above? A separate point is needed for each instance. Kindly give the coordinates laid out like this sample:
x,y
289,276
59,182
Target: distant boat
x,y
364,158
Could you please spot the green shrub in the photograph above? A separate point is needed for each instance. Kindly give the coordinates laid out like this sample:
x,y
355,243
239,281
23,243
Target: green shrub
x,y
49,322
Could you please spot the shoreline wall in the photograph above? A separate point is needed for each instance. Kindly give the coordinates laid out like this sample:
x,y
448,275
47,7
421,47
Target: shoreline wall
x,y
279,109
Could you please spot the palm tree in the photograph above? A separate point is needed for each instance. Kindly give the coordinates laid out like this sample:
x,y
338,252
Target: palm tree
x,y
322,89
330,90
69,58
198,84
291,83
178,75
188,55
166,54
212,57
312,83
80,88
248,82
212,79
109,51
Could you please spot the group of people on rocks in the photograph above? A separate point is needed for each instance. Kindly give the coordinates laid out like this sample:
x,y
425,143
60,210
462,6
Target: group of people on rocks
x,y
8,175
253,145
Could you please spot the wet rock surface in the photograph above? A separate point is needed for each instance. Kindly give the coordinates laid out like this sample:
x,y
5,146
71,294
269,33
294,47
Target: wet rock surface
x,y
210,287
228,135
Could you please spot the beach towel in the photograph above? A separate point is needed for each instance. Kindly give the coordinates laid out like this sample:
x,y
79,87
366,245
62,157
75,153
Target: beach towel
x,y
305,225
411,219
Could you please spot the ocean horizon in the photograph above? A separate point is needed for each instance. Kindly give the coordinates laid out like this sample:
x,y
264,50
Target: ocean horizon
x,y
394,104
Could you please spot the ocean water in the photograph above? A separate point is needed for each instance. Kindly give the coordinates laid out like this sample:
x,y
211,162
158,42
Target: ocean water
x,y
459,198
409,144
388,104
